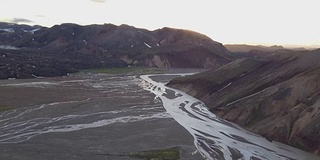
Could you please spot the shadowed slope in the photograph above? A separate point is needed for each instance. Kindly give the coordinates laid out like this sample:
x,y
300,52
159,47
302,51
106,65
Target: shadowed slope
x,y
277,98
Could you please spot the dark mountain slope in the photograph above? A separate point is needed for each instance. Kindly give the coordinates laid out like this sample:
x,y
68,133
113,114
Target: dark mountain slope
x,y
11,27
35,63
278,98
100,45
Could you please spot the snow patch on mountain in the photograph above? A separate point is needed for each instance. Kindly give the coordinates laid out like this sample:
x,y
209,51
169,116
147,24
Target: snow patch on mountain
x,y
147,45
11,30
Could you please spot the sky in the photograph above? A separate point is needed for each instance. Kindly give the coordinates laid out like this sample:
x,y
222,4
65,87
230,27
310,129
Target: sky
x,y
265,22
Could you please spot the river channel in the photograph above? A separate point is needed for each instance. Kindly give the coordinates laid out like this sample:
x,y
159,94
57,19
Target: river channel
x,y
103,116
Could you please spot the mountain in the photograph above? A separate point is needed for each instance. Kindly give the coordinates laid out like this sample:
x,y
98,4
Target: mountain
x,y
252,51
278,98
11,27
248,48
107,45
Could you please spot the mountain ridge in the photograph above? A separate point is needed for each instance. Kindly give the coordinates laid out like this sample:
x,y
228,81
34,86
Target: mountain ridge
x,y
248,48
277,98
104,44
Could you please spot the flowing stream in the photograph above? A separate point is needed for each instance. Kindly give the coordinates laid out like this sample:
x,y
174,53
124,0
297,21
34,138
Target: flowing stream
x,y
104,116
216,138
22,124
88,116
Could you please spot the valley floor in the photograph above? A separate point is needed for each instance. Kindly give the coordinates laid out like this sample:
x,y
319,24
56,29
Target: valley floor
x,y
113,116
90,116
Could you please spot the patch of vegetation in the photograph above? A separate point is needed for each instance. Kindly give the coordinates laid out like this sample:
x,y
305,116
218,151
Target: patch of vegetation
x,y
125,70
161,154
4,108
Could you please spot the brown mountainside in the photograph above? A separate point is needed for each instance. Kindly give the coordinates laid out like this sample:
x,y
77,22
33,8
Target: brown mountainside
x,y
108,45
278,98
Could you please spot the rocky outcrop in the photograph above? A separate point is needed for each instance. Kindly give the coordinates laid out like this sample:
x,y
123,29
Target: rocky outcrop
x,y
87,46
277,98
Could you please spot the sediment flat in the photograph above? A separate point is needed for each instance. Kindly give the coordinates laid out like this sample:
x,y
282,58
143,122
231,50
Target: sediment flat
x,y
89,116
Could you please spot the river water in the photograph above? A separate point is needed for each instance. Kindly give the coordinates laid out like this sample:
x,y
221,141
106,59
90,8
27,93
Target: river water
x,y
216,138
91,116
100,116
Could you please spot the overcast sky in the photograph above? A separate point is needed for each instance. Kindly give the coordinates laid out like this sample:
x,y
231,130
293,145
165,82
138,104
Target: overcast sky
x,y
266,22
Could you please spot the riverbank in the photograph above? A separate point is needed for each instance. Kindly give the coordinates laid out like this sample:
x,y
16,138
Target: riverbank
x,y
216,138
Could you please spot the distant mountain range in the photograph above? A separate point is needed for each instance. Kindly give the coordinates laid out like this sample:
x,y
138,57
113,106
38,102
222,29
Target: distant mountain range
x,y
248,48
29,51
243,48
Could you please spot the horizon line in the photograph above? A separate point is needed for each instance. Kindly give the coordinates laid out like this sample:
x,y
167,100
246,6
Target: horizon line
x,y
266,44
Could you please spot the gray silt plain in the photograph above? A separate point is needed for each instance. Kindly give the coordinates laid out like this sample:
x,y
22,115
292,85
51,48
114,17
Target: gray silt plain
x,y
93,116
